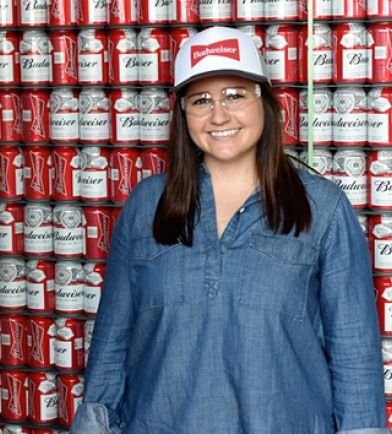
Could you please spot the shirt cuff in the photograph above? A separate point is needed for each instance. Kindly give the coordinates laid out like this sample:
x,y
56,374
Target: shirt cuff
x,y
92,418
366,431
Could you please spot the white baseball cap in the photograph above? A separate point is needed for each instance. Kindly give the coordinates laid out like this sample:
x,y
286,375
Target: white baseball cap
x,y
215,51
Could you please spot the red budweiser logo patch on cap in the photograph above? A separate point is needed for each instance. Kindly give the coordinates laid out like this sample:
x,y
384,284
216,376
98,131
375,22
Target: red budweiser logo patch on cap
x,y
226,48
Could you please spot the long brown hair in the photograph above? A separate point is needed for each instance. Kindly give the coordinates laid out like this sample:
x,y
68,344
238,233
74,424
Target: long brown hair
x,y
284,197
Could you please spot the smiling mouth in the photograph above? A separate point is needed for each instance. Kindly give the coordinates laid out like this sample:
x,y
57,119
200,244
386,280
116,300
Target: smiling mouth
x,y
225,133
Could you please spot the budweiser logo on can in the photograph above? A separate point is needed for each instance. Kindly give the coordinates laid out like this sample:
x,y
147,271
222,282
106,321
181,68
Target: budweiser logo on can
x,y
383,287
380,179
94,178
349,9
13,340
92,57
289,102
322,9
322,161
123,62
40,285
33,13
153,11
349,173
379,9
154,161
13,396
67,162
217,11
69,344
380,240
125,119
69,287
379,132
38,229
98,231
93,283
68,230
42,397
11,228
62,13
9,58
12,284
8,13
248,10
11,172
35,104
37,166
64,116
11,115
184,11
41,332
92,12
381,58
70,397
279,9
123,12
125,172
88,334
65,54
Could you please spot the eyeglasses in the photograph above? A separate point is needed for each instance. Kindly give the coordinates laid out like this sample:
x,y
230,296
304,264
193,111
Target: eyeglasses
x,y
233,99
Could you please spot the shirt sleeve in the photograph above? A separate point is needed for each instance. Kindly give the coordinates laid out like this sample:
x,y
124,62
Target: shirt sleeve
x,y
350,325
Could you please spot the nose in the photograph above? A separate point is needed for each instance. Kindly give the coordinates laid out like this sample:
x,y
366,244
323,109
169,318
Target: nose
x,y
219,114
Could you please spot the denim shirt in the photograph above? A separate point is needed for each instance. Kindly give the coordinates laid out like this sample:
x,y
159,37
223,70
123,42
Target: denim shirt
x,y
252,333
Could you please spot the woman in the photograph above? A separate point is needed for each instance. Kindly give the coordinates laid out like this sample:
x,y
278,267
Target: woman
x,y
238,296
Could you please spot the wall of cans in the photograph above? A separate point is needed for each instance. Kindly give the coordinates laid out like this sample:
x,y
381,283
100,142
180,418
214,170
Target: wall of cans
x,y
86,103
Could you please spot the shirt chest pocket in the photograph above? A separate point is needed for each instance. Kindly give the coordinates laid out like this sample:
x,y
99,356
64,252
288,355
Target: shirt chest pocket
x,y
276,274
158,274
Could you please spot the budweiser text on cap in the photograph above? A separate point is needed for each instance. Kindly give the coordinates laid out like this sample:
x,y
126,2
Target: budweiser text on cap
x,y
218,50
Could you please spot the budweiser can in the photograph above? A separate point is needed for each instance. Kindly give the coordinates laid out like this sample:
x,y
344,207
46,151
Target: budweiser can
x,y
92,56
11,172
380,241
349,173
40,285
154,59
12,284
152,11
62,13
41,333
11,228
123,12
70,397
65,55
37,168
216,11
94,177
155,109
379,131
387,358
348,9
124,113
123,62
279,9
183,11
351,47
380,179
350,117
35,58
93,283
42,397
14,395
322,9
116,211
177,36
94,116
322,161
281,53
35,104
33,13
88,334
383,287
69,344
11,115
13,340
323,114
381,58
388,408
322,53
379,9
38,229
9,58
64,116
69,287
247,10
92,12
8,13
68,231
289,110
98,231
125,172
66,163
154,161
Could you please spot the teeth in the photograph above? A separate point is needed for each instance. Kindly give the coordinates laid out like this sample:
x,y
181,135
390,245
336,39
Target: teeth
x,y
224,133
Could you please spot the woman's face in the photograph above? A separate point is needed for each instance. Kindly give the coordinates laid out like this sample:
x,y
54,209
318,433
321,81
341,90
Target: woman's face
x,y
225,135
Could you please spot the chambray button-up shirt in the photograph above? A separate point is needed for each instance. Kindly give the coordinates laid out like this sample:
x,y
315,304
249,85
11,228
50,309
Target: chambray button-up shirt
x,y
252,333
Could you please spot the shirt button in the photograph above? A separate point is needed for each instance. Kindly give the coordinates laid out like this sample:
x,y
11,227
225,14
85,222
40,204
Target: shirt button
x,y
242,210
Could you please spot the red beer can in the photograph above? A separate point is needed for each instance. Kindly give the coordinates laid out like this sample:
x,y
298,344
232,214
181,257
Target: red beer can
x,y
65,55
35,58
12,284
92,12
154,59
32,13
13,340
92,56
379,9
11,115
125,172
381,58
62,13
281,53
14,395
70,389
11,172
9,58
11,228
352,53
383,287
154,161
348,9
280,9
124,114
152,12
116,211
40,285
38,229
93,283
289,102
184,12
66,163
94,119
41,333
322,9
177,36
94,176
98,231
123,62
123,12
69,344
388,407
380,242
35,117
46,431
42,398
379,131
68,231
64,116
8,13
247,10
69,287
380,179
37,166
215,11
322,161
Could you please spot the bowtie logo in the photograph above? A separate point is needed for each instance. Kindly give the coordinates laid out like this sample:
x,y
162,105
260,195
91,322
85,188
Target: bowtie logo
x,y
226,48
